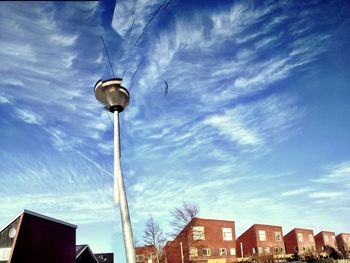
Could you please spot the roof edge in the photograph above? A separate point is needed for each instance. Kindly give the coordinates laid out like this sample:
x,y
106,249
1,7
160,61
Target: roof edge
x,y
25,211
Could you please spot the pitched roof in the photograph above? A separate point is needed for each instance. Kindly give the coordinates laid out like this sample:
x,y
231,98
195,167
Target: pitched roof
x,y
79,250
40,216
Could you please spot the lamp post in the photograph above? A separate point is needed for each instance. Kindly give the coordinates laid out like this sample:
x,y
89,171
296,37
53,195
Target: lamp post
x,y
116,98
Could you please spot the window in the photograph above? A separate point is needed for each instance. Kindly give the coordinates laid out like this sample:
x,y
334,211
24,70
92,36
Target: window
x,y
222,252
333,237
193,252
254,250
232,251
278,236
326,239
300,237
206,252
267,250
311,238
139,258
262,235
227,233
198,233
260,250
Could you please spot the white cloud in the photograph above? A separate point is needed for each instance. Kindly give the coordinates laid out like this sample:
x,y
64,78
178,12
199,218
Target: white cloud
x,y
29,117
326,194
339,173
64,40
297,191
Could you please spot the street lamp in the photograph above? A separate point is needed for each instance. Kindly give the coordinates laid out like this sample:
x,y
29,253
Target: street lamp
x,y
116,98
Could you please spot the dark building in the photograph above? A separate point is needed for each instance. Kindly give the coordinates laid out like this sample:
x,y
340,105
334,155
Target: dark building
x,y
35,238
84,254
105,257
204,241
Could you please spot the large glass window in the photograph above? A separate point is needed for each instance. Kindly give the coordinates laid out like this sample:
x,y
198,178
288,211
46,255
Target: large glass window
x,y
278,236
262,235
300,237
311,238
193,252
222,251
227,233
206,252
198,233
232,251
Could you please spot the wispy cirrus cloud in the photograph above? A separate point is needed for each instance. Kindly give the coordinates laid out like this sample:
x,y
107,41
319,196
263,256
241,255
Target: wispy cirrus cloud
x,y
298,191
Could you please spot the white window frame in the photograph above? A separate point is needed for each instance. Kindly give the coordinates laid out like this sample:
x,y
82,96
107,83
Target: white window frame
x,y
326,238
233,251
140,258
267,250
227,233
260,250
208,252
198,233
278,236
300,237
222,251
193,252
311,238
262,235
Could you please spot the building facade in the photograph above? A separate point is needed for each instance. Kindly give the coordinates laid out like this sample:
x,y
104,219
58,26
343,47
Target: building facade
x,y
203,240
343,242
32,237
301,241
146,254
325,239
261,240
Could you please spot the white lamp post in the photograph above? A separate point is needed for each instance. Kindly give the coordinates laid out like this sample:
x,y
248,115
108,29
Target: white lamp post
x,y
116,98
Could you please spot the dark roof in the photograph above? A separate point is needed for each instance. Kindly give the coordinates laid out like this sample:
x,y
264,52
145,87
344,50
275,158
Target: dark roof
x,y
80,249
25,211
105,257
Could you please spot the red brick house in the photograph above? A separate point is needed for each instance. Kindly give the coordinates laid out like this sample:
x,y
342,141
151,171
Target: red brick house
x,y
343,242
146,254
203,240
261,240
301,241
325,238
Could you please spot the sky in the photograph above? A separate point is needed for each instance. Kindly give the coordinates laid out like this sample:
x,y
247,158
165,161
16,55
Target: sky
x,y
254,127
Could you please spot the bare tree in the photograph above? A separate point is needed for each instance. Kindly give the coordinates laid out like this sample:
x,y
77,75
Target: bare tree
x,y
153,235
181,216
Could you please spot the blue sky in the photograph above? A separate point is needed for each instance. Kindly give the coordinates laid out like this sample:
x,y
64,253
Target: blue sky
x,y
254,128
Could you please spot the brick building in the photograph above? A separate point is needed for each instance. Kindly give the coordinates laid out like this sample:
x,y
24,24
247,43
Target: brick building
x,y
343,242
325,238
203,240
146,254
261,240
31,237
301,241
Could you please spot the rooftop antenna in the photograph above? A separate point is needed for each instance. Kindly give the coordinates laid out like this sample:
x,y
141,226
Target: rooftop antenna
x,y
116,98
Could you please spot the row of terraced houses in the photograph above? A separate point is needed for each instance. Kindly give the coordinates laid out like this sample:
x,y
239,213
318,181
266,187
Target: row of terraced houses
x,y
214,241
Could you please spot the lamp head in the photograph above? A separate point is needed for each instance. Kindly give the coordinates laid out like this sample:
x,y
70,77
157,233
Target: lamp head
x,y
112,94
